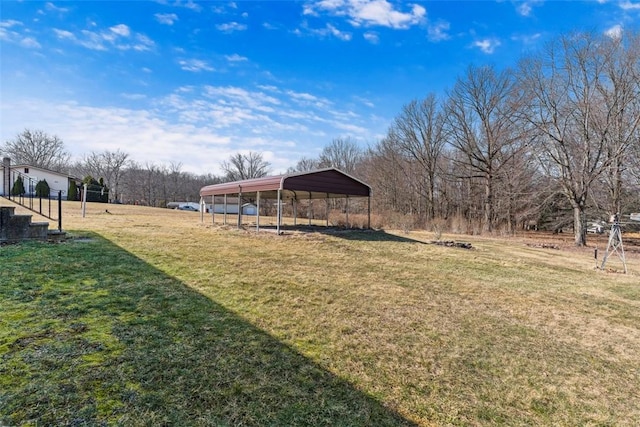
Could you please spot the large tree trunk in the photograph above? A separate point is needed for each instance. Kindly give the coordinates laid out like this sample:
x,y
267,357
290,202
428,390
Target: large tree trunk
x,y
578,226
488,204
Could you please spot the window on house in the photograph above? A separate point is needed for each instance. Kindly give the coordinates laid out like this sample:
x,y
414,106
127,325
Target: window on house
x,y
26,170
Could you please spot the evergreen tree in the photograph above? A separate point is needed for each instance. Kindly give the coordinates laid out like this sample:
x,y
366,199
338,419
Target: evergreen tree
x,y
72,194
18,187
96,192
42,189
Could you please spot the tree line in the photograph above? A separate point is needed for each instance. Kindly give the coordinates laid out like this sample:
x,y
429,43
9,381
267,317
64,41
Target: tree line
x,y
552,142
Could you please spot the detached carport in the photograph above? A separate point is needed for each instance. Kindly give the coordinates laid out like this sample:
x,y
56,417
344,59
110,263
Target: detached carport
x,y
324,184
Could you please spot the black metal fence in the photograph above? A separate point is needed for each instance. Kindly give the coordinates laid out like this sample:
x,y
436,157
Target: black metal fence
x,y
48,205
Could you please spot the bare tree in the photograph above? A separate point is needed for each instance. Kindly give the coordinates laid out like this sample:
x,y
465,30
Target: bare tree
x,y
38,149
245,166
343,154
176,181
305,164
419,133
618,118
156,185
108,165
481,126
634,162
383,168
578,114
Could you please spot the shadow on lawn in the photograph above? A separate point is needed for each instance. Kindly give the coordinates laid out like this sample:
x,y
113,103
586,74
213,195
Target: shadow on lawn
x,y
367,235
134,346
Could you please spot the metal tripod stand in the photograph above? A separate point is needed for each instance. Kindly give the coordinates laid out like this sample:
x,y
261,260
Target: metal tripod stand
x,y
615,244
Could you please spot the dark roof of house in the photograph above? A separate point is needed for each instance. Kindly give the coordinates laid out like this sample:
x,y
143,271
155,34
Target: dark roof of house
x,y
318,184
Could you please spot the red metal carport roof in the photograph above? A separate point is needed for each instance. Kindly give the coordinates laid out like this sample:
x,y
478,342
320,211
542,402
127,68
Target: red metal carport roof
x,y
318,184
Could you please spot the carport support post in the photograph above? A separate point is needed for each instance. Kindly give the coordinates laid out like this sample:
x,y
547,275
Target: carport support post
x,y
347,210
294,201
202,209
278,214
258,211
327,206
310,208
224,212
239,207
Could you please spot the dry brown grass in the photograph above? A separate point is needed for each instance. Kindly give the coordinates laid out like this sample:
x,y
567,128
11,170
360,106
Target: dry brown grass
x,y
506,333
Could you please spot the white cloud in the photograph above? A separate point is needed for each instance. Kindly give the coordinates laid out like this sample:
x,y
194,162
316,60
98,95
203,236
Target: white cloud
x,y
189,4
330,29
438,31
306,98
614,32
371,37
369,12
10,23
326,31
364,101
527,39
11,36
118,37
629,5
166,18
526,7
488,46
50,7
230,27
236,58
121,30
64,34
133,96
232,95
198,126
30,43
140,133
195,65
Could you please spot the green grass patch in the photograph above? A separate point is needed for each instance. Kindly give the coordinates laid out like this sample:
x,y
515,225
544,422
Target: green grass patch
x,y
160,320
91,335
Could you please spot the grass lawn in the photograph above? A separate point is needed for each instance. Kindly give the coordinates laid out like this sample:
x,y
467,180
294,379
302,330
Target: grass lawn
x,y
149,317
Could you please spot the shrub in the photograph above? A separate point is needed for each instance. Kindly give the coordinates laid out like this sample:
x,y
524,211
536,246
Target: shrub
x,y
18,187
42,189
72,194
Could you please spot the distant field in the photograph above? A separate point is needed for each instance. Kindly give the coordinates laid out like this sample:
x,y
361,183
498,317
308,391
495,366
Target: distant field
x,y
150,317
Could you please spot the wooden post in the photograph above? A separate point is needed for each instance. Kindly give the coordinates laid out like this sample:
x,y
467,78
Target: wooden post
x,y
84,200
213,209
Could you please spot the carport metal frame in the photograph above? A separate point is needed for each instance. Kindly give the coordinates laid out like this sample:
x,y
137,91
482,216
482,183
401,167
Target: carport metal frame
x,y
324,184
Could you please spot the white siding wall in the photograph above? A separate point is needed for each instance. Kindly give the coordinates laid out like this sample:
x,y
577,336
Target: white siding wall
x,y
57,182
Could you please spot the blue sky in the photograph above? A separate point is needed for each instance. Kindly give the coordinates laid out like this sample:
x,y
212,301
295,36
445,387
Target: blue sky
x,y
195,82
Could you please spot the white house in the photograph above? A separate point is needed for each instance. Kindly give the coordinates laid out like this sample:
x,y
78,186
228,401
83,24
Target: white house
x,y
31,175
232,209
